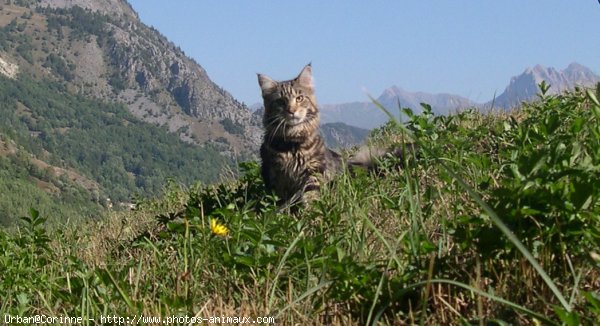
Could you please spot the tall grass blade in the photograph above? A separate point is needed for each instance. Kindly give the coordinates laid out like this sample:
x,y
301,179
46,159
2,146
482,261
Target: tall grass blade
x,y
280,266
306,294
124,295
513,305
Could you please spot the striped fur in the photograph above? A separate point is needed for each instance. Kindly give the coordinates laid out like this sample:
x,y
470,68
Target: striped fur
x,y
294,158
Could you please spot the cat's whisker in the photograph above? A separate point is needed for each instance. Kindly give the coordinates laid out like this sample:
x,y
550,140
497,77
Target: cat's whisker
x,y
271,121
274,133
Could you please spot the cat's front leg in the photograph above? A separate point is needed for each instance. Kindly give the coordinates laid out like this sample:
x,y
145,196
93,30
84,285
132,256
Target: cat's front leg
x,y
311,189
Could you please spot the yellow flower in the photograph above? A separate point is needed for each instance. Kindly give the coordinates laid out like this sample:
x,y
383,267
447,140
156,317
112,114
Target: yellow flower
x,y
218,228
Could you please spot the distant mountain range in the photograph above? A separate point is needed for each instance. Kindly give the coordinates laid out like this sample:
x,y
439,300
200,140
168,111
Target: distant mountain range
x,y
523,87
367,115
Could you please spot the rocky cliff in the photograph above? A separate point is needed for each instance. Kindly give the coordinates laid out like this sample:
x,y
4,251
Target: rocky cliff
x,y
101,49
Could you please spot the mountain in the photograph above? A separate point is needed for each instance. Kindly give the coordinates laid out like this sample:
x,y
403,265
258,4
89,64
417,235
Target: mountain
x,y
106,7
100,49
523,87
97,107
54,131
255,107
341,135
367,115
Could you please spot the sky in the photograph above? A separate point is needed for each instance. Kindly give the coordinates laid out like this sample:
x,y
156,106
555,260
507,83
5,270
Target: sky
x,y
470,48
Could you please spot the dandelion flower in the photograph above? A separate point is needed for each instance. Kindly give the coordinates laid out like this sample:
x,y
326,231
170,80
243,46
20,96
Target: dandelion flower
x,y
218,228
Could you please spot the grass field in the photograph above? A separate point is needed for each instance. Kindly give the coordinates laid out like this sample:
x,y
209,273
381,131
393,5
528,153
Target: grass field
x,y
493,220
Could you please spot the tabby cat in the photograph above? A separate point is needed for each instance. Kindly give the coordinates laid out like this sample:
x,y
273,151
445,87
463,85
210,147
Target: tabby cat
x,y
295,160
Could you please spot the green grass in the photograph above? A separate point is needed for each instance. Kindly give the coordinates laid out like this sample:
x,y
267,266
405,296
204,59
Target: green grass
x,y
493,220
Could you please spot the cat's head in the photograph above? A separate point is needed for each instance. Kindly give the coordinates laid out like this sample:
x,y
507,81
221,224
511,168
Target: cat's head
x,y
290,106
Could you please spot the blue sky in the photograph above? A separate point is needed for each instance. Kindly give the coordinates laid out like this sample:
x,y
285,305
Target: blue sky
x,y
470,48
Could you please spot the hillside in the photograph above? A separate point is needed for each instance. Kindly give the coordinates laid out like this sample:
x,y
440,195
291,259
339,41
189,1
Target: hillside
x,y
493,221
341,135
27,181
522,88
100,49
120,155
92,96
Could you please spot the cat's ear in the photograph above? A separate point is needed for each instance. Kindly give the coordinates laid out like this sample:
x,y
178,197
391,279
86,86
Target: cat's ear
x,y
305,78
267,85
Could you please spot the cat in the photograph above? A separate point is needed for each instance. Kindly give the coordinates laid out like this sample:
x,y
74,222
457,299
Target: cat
x,y
295,160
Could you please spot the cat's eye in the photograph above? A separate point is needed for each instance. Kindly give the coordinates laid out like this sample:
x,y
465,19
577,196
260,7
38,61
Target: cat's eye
x,y
299,98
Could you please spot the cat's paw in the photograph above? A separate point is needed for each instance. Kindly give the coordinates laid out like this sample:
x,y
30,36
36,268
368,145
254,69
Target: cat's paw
x,y
311,196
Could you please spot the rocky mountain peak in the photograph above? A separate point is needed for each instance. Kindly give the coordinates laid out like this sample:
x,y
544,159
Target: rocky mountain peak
x,y
391,92
537,69
539,73
524,87
574,66
109,7
580,73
